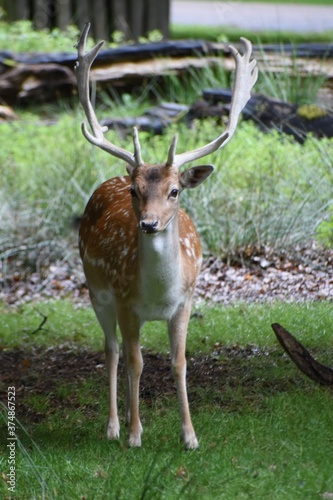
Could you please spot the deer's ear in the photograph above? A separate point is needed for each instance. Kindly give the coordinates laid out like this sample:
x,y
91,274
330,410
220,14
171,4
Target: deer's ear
x,y
194,176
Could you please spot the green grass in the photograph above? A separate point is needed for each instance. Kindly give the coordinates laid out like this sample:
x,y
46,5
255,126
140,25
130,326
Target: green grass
x,y
238,324
19,36
279,451
264,431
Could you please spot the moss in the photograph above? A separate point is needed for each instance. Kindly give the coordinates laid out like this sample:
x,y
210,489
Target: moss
x,y
311,111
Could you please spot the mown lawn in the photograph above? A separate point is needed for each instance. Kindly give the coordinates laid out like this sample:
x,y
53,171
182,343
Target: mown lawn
x,y
265,430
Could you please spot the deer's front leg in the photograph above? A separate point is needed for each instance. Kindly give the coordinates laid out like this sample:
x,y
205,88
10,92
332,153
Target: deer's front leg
x,y
106,316
130,329
177,328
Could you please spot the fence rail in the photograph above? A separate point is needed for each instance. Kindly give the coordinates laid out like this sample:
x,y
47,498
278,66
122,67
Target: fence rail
x,y
134,18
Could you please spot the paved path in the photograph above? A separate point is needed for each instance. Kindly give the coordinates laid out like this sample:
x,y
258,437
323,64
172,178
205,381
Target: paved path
x,y
253,16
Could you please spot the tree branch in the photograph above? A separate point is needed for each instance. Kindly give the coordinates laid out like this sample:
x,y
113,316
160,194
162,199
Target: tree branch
x,y
302,358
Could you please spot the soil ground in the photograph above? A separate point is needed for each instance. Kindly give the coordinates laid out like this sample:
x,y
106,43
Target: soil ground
x,y
44,372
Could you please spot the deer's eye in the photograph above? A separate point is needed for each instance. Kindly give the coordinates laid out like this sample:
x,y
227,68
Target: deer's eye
x,y
174,193
133,192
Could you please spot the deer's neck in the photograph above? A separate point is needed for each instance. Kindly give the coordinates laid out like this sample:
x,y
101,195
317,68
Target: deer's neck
x,y
159,254
160,273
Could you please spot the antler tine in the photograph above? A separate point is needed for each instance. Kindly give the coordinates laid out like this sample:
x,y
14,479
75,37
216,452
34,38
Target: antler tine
x,y
172,151
97,138
246,74
137,147
245,77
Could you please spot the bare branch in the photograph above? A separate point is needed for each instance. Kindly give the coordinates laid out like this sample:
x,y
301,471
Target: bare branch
x,y
302,358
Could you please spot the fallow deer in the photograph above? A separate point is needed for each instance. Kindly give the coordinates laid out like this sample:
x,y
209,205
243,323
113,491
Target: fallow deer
x,y
141,252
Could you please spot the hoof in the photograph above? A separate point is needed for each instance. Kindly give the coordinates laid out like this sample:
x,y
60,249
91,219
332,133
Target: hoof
x,y
191,442
113,430
134,441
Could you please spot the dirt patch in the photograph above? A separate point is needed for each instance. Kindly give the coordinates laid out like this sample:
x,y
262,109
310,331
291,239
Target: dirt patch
x,y
58,372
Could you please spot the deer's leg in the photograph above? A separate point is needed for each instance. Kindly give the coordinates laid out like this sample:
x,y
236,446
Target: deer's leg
x,y
106,315
128,388
177,328
130,329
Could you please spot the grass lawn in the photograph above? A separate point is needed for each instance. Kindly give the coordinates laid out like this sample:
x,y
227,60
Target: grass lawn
x,y
265,431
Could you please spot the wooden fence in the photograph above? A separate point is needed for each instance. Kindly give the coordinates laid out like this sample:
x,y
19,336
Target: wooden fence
x,y
134,18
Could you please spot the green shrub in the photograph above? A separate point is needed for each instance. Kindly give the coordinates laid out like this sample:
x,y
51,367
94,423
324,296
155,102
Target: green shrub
x,y
20,36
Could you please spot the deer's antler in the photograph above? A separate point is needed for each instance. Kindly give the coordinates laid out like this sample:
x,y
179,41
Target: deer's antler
x,y
245,77
97,138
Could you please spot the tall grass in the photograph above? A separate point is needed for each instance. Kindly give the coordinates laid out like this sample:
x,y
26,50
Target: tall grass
x,y
289,82
187,87
266,189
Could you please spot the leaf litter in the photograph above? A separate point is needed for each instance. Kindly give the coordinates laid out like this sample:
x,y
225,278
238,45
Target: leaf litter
x,y
251,275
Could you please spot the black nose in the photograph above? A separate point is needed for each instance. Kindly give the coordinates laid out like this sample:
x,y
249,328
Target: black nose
x,y
149,227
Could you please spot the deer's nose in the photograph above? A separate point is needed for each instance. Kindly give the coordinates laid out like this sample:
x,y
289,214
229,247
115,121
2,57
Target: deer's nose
x,y
149,226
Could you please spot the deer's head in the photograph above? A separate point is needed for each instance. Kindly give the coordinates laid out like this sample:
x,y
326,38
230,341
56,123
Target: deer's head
x,y
155,189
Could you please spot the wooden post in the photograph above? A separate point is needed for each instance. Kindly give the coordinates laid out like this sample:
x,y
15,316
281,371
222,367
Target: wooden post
x,y
63,14
81,12
41,14
99,19
22,8
119,16
134,18
158,16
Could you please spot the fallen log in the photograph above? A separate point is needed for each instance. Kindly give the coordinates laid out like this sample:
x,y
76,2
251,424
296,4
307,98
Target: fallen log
x,y
154,120
291,119
129,66
39,83
267,114
130,52
302,358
